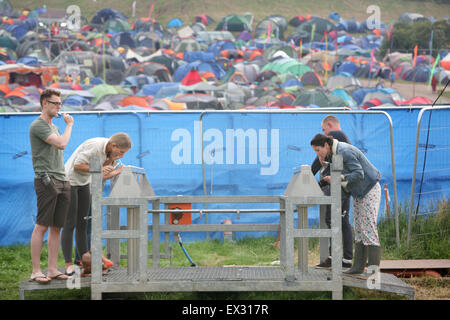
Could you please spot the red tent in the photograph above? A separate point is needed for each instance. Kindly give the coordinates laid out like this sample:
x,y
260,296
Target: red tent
x,y
191,78
414,101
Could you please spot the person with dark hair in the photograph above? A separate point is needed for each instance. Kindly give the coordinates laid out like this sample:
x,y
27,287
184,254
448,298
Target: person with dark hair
x,y
360,178
108,150
331,126
50,182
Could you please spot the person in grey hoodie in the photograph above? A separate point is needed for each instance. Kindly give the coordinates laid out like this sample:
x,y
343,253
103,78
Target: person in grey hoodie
x,y
360,178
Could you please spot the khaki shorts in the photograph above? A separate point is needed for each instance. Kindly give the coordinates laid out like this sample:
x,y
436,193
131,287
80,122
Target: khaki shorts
x,y
53,202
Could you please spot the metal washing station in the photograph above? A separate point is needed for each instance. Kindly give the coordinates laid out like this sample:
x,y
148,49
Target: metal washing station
x,y
133,191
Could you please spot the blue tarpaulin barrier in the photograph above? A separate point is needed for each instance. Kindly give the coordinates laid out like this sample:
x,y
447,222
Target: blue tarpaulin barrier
x,y
244,153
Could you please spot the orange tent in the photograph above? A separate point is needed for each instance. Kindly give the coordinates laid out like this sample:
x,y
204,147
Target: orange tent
x,y
5,88
254,54
136,101
16,93
29,76
175,105
208,76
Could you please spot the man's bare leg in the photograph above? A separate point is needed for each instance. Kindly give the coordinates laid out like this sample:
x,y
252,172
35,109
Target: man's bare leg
x,y
37,238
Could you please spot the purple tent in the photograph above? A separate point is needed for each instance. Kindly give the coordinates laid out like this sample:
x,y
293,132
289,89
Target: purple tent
x,y
244,36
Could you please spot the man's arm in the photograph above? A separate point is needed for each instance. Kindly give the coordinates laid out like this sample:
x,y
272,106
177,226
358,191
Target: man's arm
x,y
61,142
108,171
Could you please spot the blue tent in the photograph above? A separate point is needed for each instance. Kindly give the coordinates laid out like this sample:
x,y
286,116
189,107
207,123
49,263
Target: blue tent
x,y
30,61
183,70
359,94
137,81
153,88
104,15
123,39
175,23
349,26
347,67
191,56
335,16
319,45
76,100
291,83
218,46
345,39
341,93
17,31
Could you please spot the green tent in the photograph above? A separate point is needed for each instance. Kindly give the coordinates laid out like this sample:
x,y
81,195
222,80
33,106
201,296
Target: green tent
x,y
319,98
282,78
319,26
188,45
269,52
5,6
102,90
287,65
236,22
116,25
8,42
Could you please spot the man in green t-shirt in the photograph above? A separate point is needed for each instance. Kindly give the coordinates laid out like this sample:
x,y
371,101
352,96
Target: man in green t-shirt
x,y
50,182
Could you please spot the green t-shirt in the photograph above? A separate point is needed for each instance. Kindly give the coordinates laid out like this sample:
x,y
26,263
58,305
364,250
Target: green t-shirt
x,y
46,158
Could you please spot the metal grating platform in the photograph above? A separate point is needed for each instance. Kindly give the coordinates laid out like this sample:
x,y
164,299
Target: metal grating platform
x,y
242,278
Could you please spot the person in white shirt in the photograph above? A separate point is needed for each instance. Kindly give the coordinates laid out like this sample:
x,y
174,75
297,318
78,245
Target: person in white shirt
x,y
77,169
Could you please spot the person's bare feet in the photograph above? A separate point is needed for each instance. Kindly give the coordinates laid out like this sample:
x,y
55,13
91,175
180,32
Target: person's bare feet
x,y
39,278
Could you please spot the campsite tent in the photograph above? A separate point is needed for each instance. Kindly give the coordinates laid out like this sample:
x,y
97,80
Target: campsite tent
x,y
319,98
278,26
411,17
175,23
150,40
341,93
182,70
298,20
103,15
102,90
311,78
188,45
205,19
235,22
198,101
152,69
5,8
287,65
211,36
343,80
27,75
318,25
116,25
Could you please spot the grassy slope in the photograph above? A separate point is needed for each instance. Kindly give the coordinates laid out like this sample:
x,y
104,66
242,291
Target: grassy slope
x,y
164,10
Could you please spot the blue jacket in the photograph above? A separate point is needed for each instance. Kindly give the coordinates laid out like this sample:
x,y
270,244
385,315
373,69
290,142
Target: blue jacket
x,y
359,173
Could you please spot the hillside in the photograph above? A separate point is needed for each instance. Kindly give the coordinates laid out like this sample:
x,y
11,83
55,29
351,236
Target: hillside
x,y
186,10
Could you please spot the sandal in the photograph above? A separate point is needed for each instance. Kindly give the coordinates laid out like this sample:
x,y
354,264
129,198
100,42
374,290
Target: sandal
x,y
60,276
37,277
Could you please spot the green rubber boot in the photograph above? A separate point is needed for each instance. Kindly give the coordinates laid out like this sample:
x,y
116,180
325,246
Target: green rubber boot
x,y
374,253
360,259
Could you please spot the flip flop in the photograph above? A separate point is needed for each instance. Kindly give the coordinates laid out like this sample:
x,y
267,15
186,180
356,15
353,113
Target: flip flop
x,y
60,276
39,276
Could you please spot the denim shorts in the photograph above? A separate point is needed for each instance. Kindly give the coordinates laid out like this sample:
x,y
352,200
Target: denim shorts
x,y
53,202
